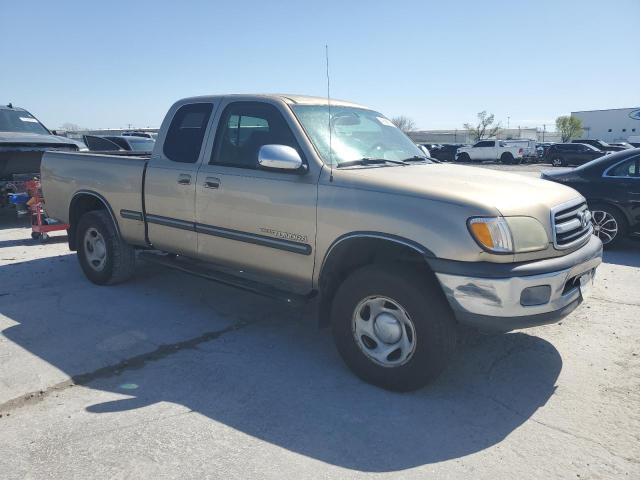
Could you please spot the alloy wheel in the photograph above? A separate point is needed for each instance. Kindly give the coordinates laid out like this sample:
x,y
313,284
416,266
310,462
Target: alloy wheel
x,y
605,226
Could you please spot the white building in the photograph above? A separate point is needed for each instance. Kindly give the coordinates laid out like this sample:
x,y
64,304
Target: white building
x,y
613,125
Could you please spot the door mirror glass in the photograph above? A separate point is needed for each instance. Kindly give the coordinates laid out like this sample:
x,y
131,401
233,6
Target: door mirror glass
x,y
279,157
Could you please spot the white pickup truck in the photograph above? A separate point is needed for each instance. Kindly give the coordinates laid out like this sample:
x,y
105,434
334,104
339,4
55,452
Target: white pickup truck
x,y
491,150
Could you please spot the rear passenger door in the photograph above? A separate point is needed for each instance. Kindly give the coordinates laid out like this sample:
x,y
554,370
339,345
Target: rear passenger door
x,y
170,183
259,221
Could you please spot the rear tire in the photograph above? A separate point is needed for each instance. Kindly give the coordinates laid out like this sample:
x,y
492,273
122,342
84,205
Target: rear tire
x,y
406,337
104,257
507,158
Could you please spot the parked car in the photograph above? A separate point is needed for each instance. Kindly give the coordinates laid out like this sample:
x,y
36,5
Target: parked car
x,y
23,139
394,250
140,134
624,145
133,143
446,152
542,148
599,144
611,185
564,154
114,143
490,150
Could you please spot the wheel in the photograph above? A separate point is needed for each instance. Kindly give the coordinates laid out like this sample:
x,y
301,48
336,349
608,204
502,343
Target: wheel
x,y
44,237
393,327
558,162
35,235
464,157
507,158
608,224
104,257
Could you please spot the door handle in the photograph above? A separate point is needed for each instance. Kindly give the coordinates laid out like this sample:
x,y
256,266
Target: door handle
x,y
184,179
211,182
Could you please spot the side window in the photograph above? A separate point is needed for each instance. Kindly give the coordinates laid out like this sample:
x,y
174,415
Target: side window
x,y
244,127
186,132
484,144
628,168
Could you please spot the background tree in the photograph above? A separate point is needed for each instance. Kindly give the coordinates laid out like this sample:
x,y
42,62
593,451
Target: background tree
x,y
485,127
70,127
569,127
404,123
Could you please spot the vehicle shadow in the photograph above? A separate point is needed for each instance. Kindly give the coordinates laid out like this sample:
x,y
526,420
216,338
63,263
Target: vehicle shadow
x,y
273,377
627,254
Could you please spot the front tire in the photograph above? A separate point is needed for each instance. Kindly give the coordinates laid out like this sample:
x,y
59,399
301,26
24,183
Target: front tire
x,y
104,257
558,162
608,224
393,327
464,157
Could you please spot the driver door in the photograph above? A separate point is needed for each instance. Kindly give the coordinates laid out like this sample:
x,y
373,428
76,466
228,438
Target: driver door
x,y
258,221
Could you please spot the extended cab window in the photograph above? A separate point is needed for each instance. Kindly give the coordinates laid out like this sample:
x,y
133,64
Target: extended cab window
x,y
186,132
245,127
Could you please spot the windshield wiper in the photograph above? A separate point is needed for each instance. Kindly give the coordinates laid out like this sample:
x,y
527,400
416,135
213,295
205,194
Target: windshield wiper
x,y
417,158
370,161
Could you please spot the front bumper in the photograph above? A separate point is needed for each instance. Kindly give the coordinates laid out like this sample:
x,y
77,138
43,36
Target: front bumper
x,y
490,296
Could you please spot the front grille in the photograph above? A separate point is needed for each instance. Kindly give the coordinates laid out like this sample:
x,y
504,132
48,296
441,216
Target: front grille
x,y
571,224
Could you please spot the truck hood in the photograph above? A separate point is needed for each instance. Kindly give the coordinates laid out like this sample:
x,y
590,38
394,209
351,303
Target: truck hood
x,y
34,139
489,191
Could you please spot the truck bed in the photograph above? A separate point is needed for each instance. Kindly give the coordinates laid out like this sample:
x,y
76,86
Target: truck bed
x,y
115,177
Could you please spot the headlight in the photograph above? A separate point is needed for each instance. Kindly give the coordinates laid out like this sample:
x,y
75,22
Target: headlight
x,y
508,234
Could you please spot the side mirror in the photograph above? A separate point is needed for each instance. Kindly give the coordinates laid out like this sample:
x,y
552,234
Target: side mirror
x,y
279,157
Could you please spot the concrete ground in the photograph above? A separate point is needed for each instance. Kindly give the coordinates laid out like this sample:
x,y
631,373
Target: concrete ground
x,y
171,376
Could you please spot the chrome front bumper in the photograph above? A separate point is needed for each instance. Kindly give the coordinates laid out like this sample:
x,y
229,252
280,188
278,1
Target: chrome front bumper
x,y
496,302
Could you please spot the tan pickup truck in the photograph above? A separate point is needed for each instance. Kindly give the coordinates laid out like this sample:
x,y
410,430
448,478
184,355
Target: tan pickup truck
x,y
306,200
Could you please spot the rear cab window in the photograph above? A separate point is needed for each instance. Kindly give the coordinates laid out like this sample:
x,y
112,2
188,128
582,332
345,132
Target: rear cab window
x,y
186,132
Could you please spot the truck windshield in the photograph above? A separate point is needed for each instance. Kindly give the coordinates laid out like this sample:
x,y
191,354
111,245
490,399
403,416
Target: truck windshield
x,y
20,121
356,133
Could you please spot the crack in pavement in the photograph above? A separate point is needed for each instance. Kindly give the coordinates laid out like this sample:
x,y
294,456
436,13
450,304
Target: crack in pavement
x,y
132,363
616,301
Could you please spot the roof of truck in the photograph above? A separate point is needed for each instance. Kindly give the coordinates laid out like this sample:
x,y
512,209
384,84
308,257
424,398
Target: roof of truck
x,y
291,99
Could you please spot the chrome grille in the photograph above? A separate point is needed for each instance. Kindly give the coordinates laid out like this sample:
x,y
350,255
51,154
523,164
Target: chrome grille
x,y
571,224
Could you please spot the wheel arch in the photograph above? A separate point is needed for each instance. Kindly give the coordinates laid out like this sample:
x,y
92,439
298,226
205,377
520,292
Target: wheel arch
x,y
356,249
82,202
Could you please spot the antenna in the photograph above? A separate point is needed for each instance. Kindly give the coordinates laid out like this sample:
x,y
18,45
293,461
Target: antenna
x,y
326,51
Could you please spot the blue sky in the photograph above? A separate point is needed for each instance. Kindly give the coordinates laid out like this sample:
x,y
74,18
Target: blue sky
x,y
113,63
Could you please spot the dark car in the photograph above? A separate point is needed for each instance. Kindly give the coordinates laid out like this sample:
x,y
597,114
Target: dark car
x,y
564,154
446,152
137,133
118,143
600,145
611,185
23,140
